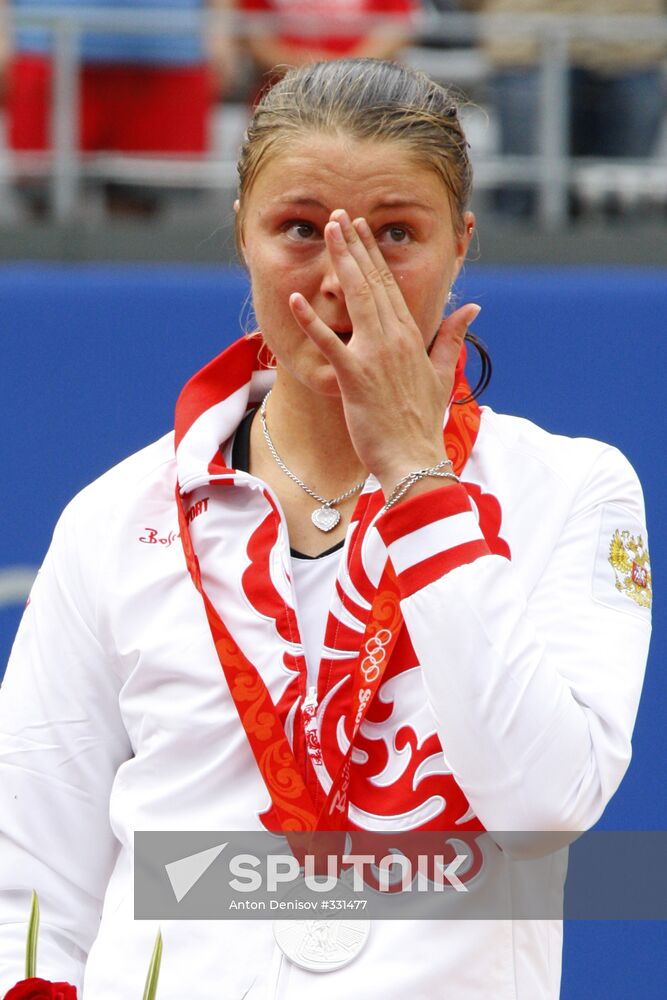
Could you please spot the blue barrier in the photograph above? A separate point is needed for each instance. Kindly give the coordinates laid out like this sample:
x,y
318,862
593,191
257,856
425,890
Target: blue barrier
x,y
94,357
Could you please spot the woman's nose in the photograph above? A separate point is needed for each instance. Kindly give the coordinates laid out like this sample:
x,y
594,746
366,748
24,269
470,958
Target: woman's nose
x,y
330,285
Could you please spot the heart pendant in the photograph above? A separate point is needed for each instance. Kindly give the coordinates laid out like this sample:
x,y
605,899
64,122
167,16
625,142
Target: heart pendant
x,y
325,518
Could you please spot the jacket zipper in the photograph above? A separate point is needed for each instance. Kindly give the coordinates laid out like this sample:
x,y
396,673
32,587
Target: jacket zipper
x,y
310,701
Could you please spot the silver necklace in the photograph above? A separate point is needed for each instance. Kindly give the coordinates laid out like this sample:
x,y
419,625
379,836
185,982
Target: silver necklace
x,y
325,517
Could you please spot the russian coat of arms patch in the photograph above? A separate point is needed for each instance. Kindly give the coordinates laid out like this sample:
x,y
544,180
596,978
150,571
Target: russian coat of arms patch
x,y
629,559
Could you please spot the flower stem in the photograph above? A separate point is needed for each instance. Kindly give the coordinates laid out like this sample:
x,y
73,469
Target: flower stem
x,y
150,991
31,942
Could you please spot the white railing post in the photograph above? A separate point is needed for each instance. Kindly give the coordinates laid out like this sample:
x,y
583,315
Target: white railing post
x,y
65,119
554,128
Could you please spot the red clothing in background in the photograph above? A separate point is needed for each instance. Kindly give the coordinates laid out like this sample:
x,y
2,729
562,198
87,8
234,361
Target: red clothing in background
x,y
129,109
331,11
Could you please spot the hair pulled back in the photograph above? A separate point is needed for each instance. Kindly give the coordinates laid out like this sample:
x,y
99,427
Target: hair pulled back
x,y
368,99
365,99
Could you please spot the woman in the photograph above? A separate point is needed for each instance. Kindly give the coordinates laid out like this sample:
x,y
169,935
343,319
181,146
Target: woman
x,y
328,528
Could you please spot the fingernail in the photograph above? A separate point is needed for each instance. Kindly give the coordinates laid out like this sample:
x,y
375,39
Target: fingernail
x,y
475,314
336,232
362,227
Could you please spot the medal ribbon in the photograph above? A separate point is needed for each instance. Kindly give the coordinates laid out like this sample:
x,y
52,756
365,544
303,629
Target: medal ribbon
x,y
293,803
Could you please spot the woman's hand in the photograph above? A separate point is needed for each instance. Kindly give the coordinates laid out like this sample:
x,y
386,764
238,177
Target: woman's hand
x,y
394,393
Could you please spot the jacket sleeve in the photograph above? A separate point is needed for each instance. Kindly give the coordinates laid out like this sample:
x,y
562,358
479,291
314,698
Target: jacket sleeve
x,y
61,743
535,695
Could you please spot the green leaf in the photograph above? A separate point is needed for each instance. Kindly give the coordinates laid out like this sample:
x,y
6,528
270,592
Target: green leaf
x,y
150,991
31,942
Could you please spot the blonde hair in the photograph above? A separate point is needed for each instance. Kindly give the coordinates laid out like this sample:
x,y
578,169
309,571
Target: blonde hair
x,y
370,99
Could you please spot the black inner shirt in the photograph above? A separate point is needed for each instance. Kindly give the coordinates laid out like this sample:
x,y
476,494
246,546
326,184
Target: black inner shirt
x,y
241,461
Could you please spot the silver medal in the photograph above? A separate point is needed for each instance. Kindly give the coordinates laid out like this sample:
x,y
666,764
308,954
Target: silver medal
x,y
321,945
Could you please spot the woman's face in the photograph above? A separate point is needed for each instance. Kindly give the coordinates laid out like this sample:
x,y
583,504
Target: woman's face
x,y
282,224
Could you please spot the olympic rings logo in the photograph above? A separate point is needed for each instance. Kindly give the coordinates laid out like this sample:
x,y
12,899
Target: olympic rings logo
x,y
375,655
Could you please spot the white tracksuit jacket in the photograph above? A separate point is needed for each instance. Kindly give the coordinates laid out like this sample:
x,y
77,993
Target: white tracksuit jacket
x,y
520,692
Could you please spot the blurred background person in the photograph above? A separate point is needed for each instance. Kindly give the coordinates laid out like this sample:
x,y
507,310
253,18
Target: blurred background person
x,y
291,45
617,87
140,93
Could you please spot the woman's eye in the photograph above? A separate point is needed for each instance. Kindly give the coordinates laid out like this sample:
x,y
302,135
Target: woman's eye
x,y
397,234
299,231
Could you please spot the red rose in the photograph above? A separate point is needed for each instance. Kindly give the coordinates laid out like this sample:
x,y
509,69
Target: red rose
x,y
41,989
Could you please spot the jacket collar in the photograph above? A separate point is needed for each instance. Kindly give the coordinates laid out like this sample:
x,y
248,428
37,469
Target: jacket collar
x,y
212,405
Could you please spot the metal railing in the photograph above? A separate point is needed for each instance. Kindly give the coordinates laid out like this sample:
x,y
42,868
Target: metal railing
x,y
552,170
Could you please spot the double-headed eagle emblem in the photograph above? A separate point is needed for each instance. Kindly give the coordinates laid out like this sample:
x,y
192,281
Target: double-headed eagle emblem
x,y
630,561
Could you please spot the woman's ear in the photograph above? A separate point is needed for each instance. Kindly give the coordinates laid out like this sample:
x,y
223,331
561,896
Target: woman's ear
x,y
466,236
463,242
